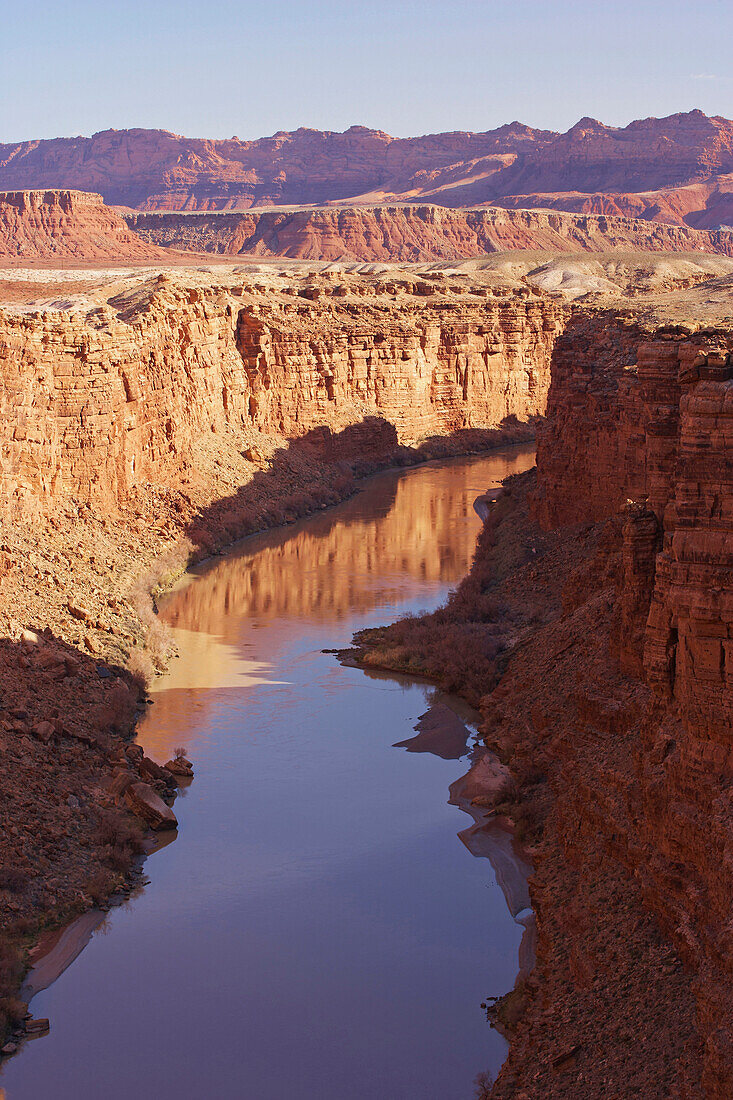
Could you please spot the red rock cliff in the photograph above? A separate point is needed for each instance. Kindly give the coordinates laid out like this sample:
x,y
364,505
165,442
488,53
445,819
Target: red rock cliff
x,y
155,169
66,225
648,418
94,404
415,233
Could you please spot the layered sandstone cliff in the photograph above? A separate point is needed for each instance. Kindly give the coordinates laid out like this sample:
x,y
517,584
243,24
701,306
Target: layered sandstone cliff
x,y
94,405
703,204
604,624
595,631
143,430
415,233
66,225
649,419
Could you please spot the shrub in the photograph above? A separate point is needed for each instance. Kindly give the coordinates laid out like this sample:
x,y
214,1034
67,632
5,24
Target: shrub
x,y
12,1012
13,879
121,838
101,885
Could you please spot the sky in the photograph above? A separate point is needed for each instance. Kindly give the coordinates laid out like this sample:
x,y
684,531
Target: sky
x,y
218,68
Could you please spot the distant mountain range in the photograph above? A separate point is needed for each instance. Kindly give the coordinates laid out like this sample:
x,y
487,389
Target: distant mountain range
x,y
676,170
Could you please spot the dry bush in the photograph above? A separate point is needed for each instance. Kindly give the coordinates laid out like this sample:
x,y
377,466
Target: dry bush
x,y
483,1085
274,516
462,657
13,879
121,838
298,504
203,539
141,668
322,495
12,1010
101,885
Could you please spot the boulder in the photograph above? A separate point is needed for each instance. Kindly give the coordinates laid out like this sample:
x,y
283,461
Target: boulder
x,y
144,802
180,766
44,731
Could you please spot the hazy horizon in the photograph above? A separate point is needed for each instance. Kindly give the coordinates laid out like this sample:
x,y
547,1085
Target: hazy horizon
x,y
404,67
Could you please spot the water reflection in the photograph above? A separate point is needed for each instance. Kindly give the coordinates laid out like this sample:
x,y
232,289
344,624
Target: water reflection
x,y
398,541
317,929
398,538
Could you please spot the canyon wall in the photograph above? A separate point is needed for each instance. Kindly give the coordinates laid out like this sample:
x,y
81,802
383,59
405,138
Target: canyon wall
x,y
413,233
66,225
96,403
703,204
156,169
642,424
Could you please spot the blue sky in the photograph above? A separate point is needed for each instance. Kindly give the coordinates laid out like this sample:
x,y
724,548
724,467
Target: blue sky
x,y
217,68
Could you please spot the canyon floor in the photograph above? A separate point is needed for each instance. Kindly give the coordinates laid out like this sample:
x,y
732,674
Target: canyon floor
x,y
400,363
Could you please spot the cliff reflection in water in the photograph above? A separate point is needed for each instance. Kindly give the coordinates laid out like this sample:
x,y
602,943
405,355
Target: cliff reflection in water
x,y
390,545
395,539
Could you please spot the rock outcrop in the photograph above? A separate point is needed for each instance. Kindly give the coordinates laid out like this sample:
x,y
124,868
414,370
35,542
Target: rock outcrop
x,y
591,163
66,225
94,405
412,233
640,425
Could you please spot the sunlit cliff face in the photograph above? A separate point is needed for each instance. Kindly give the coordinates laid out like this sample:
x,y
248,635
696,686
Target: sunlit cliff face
x,y
390,544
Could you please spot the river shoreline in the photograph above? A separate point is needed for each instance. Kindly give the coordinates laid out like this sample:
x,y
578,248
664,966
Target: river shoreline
x,y
534,592
250,551
167,561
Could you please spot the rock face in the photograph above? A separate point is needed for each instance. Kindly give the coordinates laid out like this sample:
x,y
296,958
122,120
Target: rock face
x,y
703,204
601,602
648,418
590,164
94,405
66,225
617,681
414,233
648,154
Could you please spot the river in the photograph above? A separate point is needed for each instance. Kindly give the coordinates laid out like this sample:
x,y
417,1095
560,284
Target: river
x,y
317,929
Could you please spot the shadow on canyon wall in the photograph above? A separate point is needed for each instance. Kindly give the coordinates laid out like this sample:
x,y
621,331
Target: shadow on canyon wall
x,y
321,468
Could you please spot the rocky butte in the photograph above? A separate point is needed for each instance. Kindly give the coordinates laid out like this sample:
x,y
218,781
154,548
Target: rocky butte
x,y
152,416
66,226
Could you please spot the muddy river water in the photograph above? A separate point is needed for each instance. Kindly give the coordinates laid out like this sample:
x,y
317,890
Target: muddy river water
x,y
317,929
